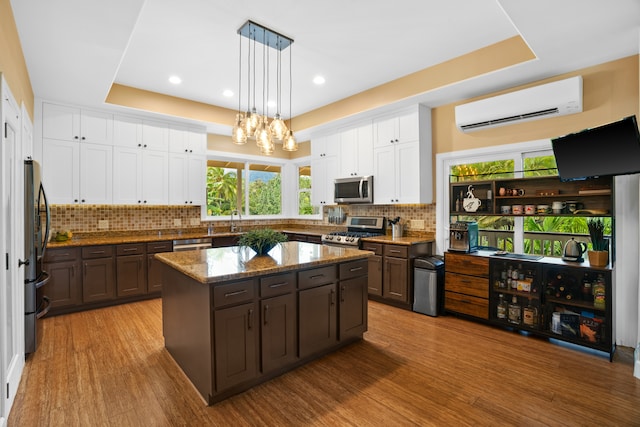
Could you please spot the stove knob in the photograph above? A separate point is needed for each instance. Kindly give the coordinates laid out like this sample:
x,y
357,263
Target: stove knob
x,y
338,238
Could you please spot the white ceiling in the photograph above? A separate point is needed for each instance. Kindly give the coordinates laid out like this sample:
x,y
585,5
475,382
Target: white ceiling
x,y
75,49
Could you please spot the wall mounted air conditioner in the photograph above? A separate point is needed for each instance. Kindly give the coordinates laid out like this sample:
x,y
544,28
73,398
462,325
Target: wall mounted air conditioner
x,y
549,100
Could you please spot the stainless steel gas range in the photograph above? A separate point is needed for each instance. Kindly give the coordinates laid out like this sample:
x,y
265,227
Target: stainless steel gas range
x,y
358,227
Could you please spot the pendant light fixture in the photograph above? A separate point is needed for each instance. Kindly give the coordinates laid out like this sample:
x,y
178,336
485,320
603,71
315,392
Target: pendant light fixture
x,y
251,125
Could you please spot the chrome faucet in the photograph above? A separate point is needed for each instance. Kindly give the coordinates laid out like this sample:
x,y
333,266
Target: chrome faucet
x,y
235,227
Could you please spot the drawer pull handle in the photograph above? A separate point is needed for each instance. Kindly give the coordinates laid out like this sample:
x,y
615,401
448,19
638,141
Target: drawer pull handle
x,y
317,276
233,294
393,251
355,269
277,285
129,249
96,252
266,312
250,319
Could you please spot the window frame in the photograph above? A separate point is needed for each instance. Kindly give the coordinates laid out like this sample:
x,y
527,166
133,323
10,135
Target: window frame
x,y
295,208
283,164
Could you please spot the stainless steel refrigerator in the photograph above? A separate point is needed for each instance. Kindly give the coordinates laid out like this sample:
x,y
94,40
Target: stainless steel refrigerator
x,y
36,230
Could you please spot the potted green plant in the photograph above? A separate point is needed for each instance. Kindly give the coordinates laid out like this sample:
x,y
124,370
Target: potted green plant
x,y
599,255
262,240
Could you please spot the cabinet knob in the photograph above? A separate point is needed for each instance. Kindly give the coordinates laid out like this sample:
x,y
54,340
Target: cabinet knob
x,y
75,137
395,140
139,145
186,151
144,201
139,201
145,146
75,200
191,151
83,138
83,200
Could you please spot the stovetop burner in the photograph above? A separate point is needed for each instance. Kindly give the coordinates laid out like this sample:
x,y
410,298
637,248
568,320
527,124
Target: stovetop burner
x,y
358,228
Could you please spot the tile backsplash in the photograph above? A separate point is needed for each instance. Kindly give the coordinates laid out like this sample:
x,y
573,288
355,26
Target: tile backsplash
x,y
92,218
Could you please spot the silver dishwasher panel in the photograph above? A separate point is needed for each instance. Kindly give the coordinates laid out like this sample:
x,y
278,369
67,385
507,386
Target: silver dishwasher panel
x,y
192,244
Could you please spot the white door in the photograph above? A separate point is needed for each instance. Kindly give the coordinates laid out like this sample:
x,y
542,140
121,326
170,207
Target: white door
x,y
96,174
11,287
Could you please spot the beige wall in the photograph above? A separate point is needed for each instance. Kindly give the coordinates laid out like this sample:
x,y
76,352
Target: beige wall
x,y
12,64
223,143
610,92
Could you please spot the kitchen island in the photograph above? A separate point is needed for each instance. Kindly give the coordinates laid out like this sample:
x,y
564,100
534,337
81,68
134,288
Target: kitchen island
x,y
232,320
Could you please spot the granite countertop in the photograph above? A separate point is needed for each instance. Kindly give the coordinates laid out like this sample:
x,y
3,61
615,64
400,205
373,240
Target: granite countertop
x,y
405,240
223,264
117,238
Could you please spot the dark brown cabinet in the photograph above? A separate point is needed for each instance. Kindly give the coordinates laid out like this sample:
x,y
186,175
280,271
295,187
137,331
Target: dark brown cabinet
x,y
395,284
352,317
302,237
317,319
65,285
278,331
391,271
154,272
236,338
375,268
131,275
98,274
225,241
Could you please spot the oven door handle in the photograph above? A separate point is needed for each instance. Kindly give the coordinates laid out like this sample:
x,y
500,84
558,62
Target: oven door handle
x,y
42,311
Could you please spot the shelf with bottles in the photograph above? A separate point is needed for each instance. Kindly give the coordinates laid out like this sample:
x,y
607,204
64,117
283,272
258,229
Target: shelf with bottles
x,y
577,306
522,312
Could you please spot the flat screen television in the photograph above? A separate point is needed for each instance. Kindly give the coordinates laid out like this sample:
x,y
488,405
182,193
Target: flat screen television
x,y
611,149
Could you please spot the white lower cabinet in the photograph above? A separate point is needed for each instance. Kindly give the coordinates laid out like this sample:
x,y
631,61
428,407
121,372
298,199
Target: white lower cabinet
x,y
141,176
77,172
187,176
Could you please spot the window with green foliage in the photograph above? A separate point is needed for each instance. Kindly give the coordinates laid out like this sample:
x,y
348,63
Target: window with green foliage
x,y
231,184
304,192
538,234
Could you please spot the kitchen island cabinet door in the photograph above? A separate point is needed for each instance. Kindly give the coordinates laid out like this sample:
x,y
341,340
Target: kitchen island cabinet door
x,y
317,319
235,344
353,307
278,331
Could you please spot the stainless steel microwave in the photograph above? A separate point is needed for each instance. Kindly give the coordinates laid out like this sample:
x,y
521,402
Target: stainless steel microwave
x,y
355,189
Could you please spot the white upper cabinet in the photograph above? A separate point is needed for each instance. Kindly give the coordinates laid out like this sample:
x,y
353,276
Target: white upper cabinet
x,y
185,140
155,135
356,151
324,168
402,160
78,173
127,131
67,123
187,176
396,129
141,177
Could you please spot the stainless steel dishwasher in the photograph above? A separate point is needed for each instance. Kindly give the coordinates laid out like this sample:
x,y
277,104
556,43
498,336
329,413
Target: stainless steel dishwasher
x,y
192,244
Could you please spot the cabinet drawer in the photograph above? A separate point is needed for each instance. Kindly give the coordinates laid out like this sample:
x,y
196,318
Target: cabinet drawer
x,y
130,249
354,269
278,284
396,251
59,255
376,248
156,247
468,285
466,264
466,304
316,277
233,293
90,252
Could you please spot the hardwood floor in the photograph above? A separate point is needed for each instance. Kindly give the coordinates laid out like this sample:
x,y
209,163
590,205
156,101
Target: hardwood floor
x,y
108,367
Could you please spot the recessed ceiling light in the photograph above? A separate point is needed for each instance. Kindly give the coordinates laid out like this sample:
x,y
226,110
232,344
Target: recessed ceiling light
x,y
319,80
175,80
228,93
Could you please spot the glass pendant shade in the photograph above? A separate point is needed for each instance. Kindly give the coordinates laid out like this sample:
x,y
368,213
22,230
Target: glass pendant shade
x,y
238,134
278,128
263,135
289,142
268,147
251,123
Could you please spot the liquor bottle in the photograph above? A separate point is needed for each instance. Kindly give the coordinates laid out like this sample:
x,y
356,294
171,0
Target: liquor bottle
x,y
502,308
530,315
514,279
586,289
515,311
599,300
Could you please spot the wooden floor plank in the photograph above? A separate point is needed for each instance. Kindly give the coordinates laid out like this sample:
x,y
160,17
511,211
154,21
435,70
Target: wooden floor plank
x,y
108,367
